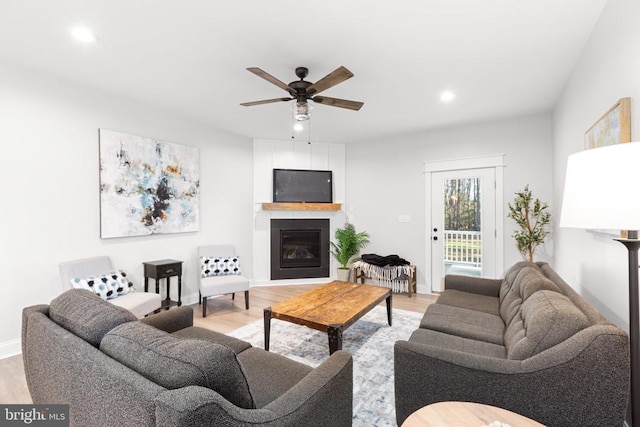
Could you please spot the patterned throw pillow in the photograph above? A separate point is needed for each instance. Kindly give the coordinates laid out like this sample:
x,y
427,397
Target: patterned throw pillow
x,y
106,285
219,266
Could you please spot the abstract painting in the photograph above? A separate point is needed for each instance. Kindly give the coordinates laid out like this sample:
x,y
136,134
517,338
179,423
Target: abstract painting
x,y
147,186
614,127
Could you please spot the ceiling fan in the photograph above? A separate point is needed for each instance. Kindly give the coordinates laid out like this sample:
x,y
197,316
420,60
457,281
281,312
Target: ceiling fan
x,y
302,90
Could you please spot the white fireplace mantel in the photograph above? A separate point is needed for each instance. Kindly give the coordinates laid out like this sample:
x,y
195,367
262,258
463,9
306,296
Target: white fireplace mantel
x,y
301,206
292,155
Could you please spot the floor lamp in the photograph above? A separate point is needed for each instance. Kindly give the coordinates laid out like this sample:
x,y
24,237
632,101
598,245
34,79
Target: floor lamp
x,y
602,191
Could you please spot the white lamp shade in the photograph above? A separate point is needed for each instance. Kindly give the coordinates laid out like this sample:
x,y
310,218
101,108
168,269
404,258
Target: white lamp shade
x,y
602,190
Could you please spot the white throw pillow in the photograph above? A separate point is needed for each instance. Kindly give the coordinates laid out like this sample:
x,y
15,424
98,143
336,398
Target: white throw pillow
x,y
219,266
106,285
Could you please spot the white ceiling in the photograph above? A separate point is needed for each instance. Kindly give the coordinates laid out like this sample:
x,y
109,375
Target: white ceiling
x,y
502,58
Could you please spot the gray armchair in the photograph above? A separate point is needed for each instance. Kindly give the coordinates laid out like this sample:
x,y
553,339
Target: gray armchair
x,y
220,284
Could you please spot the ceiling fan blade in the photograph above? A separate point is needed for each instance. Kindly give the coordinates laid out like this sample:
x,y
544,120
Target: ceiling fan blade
x,y
338,75
268,77
265,101
336,102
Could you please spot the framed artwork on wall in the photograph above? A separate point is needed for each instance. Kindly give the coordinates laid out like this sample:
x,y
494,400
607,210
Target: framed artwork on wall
x,y
147,186
614,127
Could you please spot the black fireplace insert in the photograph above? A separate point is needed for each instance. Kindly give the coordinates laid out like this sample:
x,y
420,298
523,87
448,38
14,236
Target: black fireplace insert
x,y
299,248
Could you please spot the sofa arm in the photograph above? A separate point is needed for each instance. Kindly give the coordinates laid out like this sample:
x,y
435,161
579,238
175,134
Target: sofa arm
x,y
171,320
474,285
324,397
585,386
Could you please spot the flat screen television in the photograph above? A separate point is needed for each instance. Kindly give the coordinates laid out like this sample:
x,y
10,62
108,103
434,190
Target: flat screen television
x,y
302,186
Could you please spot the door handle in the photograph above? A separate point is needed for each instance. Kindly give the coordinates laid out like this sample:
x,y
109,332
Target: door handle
x,y
435,237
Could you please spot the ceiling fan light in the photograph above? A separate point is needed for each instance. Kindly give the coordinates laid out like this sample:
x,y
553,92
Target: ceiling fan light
x,y
302,111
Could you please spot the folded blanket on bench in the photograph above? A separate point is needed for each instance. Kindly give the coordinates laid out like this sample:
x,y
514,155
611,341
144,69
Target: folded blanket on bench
x,y
394,277
381,261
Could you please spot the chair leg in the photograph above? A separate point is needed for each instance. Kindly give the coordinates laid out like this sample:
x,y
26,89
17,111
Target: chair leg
x,y
199,297
246,300
204,306
233,296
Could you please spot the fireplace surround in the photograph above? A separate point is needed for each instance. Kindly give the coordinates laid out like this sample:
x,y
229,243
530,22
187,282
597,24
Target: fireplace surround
x,y
299,248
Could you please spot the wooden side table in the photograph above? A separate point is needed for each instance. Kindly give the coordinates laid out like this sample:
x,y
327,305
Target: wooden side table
x,y
164,269
444,414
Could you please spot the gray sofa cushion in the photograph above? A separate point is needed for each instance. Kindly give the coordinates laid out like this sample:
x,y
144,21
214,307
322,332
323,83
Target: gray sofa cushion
x,y
196,332
510,278
476,302
546,319
270,375
529,279
174,362
464,323
86,315
452,342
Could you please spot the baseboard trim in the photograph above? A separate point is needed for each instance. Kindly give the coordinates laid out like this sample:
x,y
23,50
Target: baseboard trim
x,y
10,348
421,288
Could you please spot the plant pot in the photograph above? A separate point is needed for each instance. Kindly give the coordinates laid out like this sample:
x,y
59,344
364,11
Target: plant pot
x,y
343,274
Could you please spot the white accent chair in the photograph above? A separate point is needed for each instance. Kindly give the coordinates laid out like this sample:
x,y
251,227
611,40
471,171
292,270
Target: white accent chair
x,y
220,285
139,303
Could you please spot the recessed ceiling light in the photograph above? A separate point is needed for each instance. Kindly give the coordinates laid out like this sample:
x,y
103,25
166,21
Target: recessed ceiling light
x,y
298,127
447,96
83,34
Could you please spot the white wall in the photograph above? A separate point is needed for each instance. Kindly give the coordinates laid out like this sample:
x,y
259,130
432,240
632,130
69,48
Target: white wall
x,y
385,179
50,198
269,155
609,69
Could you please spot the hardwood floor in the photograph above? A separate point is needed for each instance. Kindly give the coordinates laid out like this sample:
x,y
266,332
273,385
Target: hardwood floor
x,y
223,315
13,385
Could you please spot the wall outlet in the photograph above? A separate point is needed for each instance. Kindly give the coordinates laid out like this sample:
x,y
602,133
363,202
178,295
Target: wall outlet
x,y
404,218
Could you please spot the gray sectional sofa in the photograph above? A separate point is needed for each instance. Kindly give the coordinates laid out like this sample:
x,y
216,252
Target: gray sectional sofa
x,y
528,343
115,370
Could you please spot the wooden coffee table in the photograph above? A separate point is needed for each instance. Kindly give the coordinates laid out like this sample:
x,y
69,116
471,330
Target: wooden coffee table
x,y
443,414
329,308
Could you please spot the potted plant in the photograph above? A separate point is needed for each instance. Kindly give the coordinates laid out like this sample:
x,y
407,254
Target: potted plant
x,y
347,245
532,218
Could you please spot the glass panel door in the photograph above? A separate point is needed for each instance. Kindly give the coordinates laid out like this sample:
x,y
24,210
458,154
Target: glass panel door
x,y
462,236
463,224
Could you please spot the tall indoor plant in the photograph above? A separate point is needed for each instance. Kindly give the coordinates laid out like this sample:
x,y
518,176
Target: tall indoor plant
x,y
347,244
532,218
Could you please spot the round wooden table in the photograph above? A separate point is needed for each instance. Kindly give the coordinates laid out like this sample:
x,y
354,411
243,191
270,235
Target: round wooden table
x,y
466,414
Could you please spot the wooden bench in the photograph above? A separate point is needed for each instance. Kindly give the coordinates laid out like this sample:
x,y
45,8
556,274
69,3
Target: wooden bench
x,y
400,279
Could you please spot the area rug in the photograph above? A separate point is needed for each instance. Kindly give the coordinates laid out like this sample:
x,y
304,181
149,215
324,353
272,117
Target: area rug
x,y
370,341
